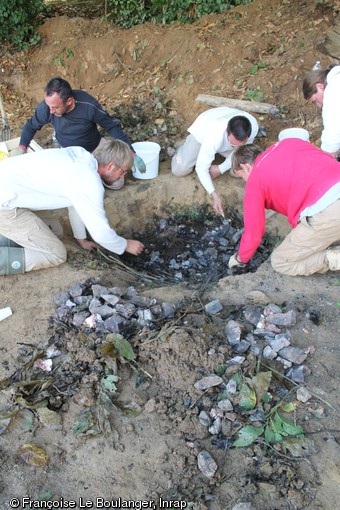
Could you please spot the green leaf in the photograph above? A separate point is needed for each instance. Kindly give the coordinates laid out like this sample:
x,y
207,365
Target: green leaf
x,y
269,435
247,435
277,425
289,427
288,408
108,383
248,397
261,384
123,346
254,70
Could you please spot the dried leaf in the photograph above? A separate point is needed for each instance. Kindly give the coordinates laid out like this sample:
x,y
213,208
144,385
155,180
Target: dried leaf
x,y
247,435
34,455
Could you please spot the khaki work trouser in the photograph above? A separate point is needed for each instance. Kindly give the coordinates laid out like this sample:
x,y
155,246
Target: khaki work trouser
x,y
186,156
41,246
303,251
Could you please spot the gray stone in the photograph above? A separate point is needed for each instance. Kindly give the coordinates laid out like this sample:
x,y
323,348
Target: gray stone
x,y
278,342
126,310
114,323
112,299
213,307
293,354
233,331
206,464
77,290
79,318
61,298
282,319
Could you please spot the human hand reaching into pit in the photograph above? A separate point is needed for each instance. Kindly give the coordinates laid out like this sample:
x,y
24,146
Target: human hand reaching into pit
x,y
134,247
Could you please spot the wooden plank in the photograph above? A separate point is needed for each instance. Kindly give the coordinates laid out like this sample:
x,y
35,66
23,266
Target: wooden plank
x,y
248,106
14,142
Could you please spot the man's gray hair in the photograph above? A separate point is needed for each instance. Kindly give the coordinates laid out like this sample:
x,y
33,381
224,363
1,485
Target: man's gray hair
x,y
244,154
117,151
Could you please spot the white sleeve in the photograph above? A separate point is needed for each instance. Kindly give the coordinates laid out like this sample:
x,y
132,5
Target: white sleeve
x,y
78,227
88,212
330,138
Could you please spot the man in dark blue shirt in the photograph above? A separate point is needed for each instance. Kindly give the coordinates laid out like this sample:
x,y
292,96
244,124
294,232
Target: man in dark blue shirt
x,y
75,116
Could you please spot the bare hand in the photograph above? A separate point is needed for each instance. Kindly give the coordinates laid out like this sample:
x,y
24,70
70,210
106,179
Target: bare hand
x,y
134,247
217,204
214,171
86,244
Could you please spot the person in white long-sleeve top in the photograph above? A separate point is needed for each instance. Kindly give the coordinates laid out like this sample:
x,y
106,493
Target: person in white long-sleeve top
x,y
215,131
54,179
321,87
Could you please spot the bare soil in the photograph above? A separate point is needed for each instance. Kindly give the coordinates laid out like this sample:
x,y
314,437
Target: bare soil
x,y
158,71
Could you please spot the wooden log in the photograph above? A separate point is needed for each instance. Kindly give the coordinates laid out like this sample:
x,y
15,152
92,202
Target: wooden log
x,y
248,106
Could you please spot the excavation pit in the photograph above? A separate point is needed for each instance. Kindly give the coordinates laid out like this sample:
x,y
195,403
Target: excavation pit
x,y
193,246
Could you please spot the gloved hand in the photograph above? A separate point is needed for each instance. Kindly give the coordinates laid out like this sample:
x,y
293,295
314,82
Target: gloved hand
x,y
233,262
138,164
18,151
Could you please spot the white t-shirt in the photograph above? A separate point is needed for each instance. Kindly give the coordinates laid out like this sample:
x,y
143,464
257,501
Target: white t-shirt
x,y
210,130
58,178
330,138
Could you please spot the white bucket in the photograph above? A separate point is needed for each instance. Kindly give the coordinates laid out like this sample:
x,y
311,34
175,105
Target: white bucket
x,y
149,152
294,133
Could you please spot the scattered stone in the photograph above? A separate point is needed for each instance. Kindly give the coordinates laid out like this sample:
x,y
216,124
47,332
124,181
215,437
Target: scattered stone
x,y
278,342
208,382
303,394
216,426
233,331
282,319
204,419
206,464
243,506
213,307
225,405
293,354
269,353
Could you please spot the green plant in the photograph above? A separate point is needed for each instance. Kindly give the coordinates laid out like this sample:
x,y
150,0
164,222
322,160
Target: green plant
x,y
19,20
255,94
275,425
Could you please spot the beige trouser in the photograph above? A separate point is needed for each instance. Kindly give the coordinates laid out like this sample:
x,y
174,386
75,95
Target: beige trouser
x,y
186,156
42,248
303,251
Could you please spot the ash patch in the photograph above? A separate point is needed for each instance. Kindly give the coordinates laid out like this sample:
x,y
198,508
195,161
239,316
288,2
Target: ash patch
x,y
193,246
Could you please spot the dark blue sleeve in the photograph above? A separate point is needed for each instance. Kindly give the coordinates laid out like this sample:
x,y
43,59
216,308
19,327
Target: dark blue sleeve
x,y
112,125
41,117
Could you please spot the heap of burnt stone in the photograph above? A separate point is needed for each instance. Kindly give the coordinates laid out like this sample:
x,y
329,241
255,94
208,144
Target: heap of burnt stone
x,y
108,309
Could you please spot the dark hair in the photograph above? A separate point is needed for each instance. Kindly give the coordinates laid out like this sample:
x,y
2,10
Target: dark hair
x,y
59,86
244,154
240,127
314,77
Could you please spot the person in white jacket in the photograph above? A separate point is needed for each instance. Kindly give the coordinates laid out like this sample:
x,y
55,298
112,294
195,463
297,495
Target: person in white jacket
x,y
54,179
215,131
321,87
